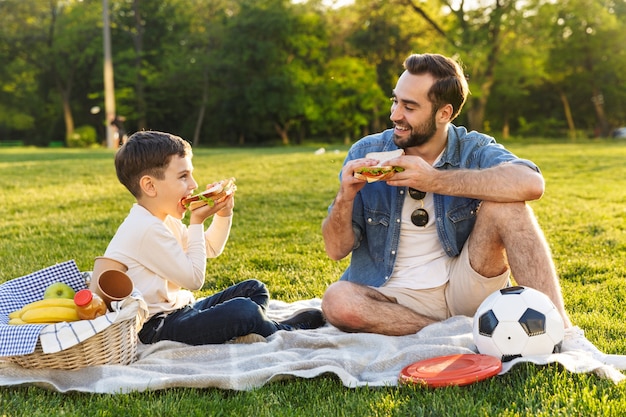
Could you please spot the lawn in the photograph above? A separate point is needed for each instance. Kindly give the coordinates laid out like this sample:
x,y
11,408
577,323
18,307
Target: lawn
x,y
60,204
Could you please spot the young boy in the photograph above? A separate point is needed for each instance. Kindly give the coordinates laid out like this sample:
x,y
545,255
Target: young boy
x,y
166,259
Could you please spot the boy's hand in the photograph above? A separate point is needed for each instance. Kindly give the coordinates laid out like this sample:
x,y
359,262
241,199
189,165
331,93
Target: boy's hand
x,y
222,207
229,204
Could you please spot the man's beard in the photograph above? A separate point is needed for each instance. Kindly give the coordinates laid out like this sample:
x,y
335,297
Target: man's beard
x,y
420,134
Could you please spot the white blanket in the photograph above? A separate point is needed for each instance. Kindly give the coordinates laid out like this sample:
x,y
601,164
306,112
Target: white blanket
x,y
357,359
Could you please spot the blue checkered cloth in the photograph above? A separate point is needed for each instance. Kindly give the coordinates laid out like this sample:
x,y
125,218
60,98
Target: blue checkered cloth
x,y
16,293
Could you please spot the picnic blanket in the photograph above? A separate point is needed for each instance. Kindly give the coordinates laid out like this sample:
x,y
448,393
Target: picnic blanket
x,y
357,359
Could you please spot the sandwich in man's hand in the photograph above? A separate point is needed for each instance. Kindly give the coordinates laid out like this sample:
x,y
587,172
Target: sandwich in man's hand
x,y
210,196
382,171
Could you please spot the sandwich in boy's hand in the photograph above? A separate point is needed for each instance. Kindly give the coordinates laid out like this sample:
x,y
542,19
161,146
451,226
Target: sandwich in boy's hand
x,y
380,172
210,196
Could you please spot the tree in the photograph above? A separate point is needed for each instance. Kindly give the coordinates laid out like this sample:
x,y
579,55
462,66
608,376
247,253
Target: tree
x,y
478,33
207,32
349,99
143,35
586,59
272,50
370,36
20,103
265,71
519,71
59,41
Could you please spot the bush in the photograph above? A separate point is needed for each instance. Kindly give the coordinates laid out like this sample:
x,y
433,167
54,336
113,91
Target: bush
x,y
548,127
83,137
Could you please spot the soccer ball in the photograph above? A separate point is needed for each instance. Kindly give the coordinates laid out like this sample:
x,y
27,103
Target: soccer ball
x,y
515,322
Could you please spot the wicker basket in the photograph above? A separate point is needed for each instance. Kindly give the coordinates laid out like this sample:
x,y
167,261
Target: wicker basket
x,y
117,344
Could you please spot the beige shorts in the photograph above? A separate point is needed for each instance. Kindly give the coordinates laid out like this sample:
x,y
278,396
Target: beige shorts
x,y
461,295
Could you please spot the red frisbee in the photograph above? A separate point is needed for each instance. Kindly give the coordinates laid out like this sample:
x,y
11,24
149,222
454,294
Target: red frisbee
x,y
443,371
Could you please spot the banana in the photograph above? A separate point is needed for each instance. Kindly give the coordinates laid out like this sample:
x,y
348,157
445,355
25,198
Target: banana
x,y
54,314
15,314
49,302
46,302
48,310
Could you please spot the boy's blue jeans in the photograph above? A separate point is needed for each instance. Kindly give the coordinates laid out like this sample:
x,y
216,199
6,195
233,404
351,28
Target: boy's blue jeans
x,y
236,311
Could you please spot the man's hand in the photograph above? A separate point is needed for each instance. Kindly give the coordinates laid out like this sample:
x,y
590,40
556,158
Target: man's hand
x,y
350,185
337,227
417,174
503,183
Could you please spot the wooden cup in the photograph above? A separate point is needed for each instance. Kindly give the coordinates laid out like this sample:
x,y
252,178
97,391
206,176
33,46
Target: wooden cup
x,y
109,280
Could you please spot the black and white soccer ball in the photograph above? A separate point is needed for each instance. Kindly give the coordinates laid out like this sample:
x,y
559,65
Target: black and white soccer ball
x,y
516,322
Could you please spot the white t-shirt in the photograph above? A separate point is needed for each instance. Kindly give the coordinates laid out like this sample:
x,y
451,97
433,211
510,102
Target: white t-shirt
x,y
421,261
166,259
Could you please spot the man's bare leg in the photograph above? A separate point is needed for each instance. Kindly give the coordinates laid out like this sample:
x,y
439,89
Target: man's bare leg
x,y
510,231
358,308
516,228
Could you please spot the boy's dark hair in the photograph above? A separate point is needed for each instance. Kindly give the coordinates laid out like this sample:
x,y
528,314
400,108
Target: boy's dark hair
x,y
450,83
147,153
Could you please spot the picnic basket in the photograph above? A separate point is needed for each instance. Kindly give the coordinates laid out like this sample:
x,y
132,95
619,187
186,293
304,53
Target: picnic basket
x,y
117,344
107,340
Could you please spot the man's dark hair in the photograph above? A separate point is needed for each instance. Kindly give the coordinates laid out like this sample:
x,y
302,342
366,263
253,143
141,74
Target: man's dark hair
x,y
450,85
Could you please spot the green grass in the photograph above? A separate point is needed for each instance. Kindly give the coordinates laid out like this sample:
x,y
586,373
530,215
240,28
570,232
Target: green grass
x,y
60,204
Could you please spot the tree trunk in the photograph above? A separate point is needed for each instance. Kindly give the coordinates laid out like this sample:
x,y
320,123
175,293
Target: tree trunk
x,y
282,132
202,110
140,95
506,127
67,114
476,114
199,121
571,128
598,105
109,84
376,125
65,91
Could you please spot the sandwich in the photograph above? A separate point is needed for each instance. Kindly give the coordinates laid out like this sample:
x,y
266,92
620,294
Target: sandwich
x,y
382,171
211,195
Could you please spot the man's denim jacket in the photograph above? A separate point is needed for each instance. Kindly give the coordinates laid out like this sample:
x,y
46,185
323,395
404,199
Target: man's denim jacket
x,y
378,206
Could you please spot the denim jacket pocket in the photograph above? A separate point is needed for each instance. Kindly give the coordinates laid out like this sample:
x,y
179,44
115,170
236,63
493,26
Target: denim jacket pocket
x,y
377,228
462,218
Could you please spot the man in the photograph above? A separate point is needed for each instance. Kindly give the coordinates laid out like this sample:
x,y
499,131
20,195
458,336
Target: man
x,y
440,236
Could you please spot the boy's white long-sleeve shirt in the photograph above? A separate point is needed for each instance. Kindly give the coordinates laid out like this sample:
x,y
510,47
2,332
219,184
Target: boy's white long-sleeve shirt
x,y
166,259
